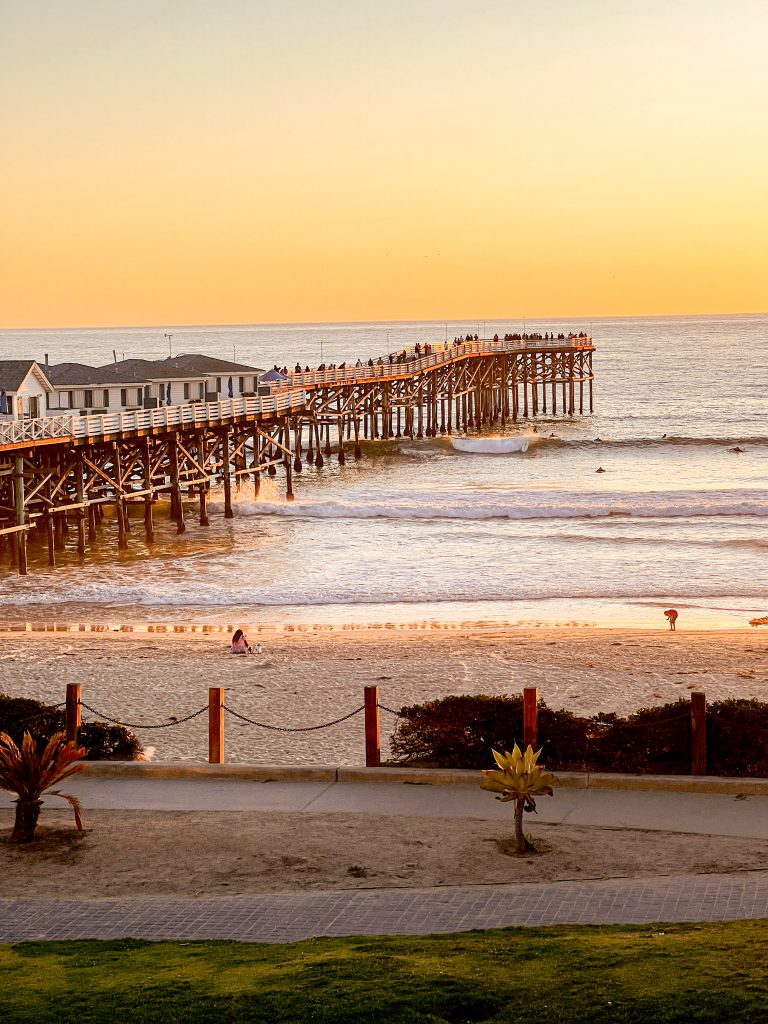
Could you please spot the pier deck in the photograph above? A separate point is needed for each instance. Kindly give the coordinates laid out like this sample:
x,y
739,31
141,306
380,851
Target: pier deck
x,y
60,471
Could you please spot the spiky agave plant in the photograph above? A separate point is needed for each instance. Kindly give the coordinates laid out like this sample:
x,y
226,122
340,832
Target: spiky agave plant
x,y
29,773
519,777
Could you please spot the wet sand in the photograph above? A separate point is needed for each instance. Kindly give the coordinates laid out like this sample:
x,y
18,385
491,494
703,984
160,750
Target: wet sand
x,y
309,677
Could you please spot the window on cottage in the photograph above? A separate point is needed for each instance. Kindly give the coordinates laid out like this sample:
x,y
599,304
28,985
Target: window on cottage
x,y
106,398
241,384
88,400
123,396
138,396
201,389
218,385
186,392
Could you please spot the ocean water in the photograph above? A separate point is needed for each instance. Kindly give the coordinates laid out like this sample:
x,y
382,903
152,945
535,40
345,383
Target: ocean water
x,y
510,526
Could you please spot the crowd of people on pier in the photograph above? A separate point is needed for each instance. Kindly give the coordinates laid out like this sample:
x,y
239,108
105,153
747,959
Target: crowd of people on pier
x,y
542,337
426,349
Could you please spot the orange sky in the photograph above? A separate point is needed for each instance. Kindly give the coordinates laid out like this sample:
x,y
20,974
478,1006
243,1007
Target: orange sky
x,y
275,161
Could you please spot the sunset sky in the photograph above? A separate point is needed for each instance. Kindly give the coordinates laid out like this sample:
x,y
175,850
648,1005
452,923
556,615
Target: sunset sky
x,y
241,161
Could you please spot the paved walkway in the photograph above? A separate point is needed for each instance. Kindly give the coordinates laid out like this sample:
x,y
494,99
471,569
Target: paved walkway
x,y
288,917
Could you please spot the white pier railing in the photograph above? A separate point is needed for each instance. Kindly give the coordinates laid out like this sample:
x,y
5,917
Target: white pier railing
x,y
17,432
416,364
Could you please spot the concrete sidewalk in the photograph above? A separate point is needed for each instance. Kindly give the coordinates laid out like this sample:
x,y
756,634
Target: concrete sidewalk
x,y
701,813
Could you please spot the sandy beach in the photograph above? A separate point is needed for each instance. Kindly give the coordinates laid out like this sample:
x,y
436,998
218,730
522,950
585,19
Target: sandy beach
x,y
307,677
144,853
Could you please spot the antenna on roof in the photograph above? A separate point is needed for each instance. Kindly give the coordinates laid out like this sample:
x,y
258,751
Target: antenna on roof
x,y
114,355
170,344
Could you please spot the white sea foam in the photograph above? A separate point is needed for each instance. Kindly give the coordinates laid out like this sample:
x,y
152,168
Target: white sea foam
x,y
520,504
494,445
212,596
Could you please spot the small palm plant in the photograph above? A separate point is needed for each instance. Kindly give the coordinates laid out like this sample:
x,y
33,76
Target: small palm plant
x,y
29,774
520,778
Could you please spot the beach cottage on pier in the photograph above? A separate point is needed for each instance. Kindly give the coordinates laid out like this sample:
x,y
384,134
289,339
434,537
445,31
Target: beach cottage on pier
x,y
223,379
24,388
132,384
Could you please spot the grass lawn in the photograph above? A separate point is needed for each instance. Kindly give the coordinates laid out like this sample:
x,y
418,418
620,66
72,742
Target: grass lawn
x,y
685,973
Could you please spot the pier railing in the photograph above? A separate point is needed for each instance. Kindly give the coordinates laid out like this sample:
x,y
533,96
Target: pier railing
x,y
107,424
387,370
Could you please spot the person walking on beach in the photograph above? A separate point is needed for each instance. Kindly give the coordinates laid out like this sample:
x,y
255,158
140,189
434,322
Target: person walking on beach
x,y
671,615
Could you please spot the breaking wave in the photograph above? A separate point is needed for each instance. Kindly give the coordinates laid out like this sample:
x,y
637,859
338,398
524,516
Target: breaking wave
x,y
520,504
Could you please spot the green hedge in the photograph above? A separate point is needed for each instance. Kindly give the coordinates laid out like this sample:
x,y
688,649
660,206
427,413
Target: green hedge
x,y
459,732
103,742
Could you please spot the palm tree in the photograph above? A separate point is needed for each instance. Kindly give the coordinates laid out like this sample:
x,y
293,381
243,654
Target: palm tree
x,y
521,779
29,774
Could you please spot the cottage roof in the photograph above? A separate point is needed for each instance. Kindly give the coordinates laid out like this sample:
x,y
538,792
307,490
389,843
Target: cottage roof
x,y
75,375
141,371
197,363
13,373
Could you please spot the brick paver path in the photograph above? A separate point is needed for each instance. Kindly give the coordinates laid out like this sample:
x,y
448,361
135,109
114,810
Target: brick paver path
x,y
287,917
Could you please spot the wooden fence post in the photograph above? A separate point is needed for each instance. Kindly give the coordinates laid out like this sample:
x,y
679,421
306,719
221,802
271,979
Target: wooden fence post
x,y
74,711
215,725
372,728
530,716
698,734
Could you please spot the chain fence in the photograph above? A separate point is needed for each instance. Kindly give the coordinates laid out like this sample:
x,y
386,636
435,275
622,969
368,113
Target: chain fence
x,y
286,728
136,725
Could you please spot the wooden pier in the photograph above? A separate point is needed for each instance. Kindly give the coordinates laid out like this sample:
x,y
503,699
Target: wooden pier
x,y
57,473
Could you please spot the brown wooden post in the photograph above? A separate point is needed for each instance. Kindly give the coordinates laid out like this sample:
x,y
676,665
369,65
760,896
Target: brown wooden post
x,y
287,460
530,717
21,535
74,711
216,725
226,458
177,513
202,458
146,458
80,494
372,728
698,733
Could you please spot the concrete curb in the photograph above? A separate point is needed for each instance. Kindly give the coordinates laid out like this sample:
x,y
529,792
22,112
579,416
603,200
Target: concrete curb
x,y
413,776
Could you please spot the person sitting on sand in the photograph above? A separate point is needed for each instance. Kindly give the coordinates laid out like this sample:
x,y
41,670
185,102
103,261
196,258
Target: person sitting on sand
x,y
671,615
240,643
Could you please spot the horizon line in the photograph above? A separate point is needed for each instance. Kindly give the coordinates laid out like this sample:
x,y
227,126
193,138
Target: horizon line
x,y
352,323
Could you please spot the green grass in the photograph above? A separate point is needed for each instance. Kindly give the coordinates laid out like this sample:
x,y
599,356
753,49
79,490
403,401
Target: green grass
x,y
681,973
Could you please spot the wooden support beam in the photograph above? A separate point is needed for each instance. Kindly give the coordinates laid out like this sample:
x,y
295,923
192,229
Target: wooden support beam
x,y
149,526
177,509
80,494
203,486
21,534
226,474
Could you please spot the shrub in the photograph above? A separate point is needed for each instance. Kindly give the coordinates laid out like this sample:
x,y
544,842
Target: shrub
x,y
742,726
459,732
102,742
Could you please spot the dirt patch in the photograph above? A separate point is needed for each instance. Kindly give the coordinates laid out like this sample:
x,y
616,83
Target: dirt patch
x,y
143,853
